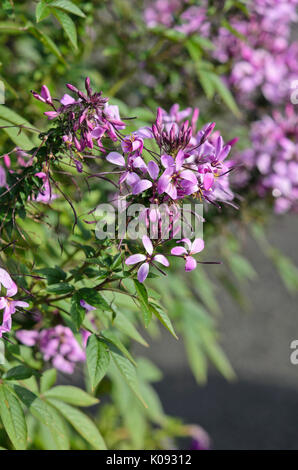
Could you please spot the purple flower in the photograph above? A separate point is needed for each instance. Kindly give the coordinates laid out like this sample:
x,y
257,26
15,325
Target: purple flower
x,y
272,161
146,260
193,247
132,144
7,303
45,95
45,194
176,181
129,174
57,345
200,439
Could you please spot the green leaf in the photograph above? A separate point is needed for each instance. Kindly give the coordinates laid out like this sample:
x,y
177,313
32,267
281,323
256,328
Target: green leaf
x,y
53,275
42,11
196,357
20,139
68,26
72,395
13,418
241,267
11,116
8,7
47,415
129,374
122,323
68,6
77,312
206,83
164,319
60,288
46,41
48,379
217,355
94,298
98,360
81,423
19,373
116,341
143,299
225,93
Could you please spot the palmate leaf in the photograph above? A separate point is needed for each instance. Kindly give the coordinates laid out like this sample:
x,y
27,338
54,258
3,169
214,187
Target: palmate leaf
x,y
48,379
46,41
111,338
68,26
128,371
123,324
143,299
13,418
98,359
68,6
224,93
164,319
8,119
72,395
81,423
46,414
42,11
20,139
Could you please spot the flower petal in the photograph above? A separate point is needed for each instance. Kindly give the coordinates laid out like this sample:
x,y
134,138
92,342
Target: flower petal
x,y
208,181
134,259
178,251
167,161
179,160
187,241
5,278
189,176
116,158
143,272
163,182
171,190
141,186
147,244
190,264
161,259
153,169
67,99
197,245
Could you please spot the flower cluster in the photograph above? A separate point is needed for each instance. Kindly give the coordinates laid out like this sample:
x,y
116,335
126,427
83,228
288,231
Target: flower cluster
x,y
274,157
189,163
179,15
56,344
7,304
182,163
85,119
263,59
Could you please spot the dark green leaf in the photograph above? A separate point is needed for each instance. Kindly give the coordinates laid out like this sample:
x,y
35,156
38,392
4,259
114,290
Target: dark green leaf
x,y
98,359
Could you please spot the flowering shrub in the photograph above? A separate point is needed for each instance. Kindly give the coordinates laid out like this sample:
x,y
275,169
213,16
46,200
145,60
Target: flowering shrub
x,y
71,315
101,210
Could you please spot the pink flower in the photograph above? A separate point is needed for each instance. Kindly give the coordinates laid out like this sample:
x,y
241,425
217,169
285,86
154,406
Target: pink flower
x,y
57,345
45,95
148,259
196,247
176,181
132,144
6,302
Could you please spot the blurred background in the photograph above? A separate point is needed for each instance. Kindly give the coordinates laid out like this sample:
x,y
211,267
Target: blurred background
x,y
259,409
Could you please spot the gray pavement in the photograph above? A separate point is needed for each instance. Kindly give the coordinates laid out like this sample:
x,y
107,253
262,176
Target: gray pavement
x,y
259,410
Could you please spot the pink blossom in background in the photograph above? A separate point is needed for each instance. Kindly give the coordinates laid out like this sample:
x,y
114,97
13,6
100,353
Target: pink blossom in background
x,y
272,162
57,345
